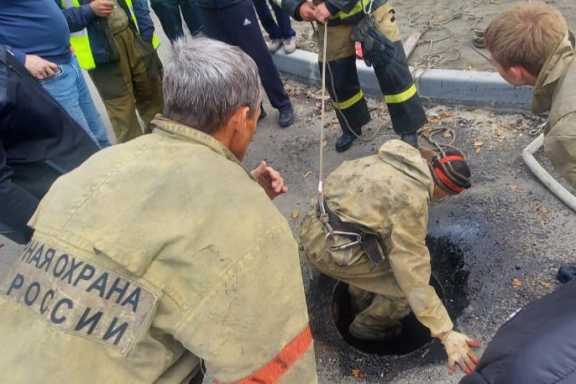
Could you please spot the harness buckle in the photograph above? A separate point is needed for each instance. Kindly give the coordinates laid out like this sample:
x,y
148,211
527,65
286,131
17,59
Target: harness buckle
x,y
356,239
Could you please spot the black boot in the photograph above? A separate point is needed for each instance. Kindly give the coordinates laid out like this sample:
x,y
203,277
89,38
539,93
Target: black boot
x,y
411,138
567,273
345,141
286,117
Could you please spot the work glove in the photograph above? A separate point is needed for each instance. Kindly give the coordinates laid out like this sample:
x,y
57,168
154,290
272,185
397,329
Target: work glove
x,y
459,350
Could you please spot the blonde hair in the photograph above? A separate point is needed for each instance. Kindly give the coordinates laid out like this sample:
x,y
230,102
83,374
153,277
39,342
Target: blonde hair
x,y
526,35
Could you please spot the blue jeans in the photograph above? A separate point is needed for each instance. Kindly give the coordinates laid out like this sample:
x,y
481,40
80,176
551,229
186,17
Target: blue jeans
x,y
279,29
69,89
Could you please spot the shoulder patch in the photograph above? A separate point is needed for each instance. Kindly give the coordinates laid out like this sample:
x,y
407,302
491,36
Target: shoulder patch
x,y
79,297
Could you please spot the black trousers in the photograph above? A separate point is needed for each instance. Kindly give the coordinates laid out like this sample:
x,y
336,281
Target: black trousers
x,y
170,13
20,195
238,25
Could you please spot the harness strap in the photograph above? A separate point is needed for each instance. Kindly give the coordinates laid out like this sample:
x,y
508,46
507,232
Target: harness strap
x,y
369,241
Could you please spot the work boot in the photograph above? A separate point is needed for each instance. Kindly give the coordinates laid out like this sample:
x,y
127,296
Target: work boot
x,y
289,45
286,117
411,138
362,332
345,141
381,321
566,273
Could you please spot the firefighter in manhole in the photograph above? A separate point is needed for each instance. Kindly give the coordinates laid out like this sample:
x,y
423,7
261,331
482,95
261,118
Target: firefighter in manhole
x,y
369,231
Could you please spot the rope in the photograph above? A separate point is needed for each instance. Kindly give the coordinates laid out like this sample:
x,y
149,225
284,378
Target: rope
x,y
428,134
322,117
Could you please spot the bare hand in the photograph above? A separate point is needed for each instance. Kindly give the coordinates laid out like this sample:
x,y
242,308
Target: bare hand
x,y
40,68
459,350
102,8
307,11
322,13
270,180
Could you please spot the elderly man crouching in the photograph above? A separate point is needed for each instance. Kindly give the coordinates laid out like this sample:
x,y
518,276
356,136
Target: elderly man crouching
x,y
163,251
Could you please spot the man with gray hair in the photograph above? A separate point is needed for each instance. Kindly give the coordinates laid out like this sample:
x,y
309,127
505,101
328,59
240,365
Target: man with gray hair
x,y
164,251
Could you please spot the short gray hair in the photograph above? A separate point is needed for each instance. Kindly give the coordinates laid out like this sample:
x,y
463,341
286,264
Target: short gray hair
x,y
206,80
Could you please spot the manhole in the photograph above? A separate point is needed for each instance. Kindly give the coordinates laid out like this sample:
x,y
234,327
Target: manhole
x,y
414,335
448,278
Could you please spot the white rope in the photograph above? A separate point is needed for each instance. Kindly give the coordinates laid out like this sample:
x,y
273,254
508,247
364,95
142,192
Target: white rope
x,y
322,116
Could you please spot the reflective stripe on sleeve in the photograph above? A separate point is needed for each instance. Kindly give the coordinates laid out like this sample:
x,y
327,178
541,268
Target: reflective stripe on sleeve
x,y
279,365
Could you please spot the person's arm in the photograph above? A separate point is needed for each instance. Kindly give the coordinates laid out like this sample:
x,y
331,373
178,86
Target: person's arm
x,y
78,18
253,326
560,147
145,24
16,204
410,261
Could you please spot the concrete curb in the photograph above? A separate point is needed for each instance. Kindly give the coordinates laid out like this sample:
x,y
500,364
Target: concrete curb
x,y
485,89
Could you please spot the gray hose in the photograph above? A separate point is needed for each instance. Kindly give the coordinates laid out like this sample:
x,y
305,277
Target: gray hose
x,y
555,187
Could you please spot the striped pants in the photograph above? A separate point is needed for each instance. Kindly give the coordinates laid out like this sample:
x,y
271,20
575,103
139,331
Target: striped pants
x,y
391,69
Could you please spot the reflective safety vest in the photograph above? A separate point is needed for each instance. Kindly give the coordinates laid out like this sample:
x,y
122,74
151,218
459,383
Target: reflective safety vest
x,y
81,42
357,12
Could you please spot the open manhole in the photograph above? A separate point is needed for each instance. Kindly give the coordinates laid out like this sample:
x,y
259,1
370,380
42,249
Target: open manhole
x,y
448,278
414,335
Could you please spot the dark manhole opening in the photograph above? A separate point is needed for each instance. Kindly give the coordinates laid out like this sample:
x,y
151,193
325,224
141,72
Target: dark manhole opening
x,y
448,278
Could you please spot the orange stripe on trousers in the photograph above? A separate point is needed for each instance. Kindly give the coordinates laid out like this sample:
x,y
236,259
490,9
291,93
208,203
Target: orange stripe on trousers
x,y
278,366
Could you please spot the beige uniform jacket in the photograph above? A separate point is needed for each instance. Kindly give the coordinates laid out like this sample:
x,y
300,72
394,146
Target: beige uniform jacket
x,y
555,91
149,254
389,194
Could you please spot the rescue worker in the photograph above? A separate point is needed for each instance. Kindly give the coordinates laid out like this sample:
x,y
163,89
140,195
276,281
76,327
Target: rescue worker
x,y
163,251
531,44
373,24
370,233
114,41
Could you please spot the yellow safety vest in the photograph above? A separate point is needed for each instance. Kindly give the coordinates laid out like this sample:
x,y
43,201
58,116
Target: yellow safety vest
x,y
81,42
343,15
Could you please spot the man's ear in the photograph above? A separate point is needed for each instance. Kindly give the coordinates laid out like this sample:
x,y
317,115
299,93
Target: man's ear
x,y
516,72
237,120
521,75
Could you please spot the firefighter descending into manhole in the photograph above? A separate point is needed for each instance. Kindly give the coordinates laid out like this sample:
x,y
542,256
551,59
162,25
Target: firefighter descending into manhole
x,y
369,231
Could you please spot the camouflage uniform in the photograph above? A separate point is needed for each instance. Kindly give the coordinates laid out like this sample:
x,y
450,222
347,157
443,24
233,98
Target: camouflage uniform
x,y
555,92
388,194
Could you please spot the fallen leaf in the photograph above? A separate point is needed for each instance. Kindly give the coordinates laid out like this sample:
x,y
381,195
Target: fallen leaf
x,y
358,374
295,213
307,173
546,284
